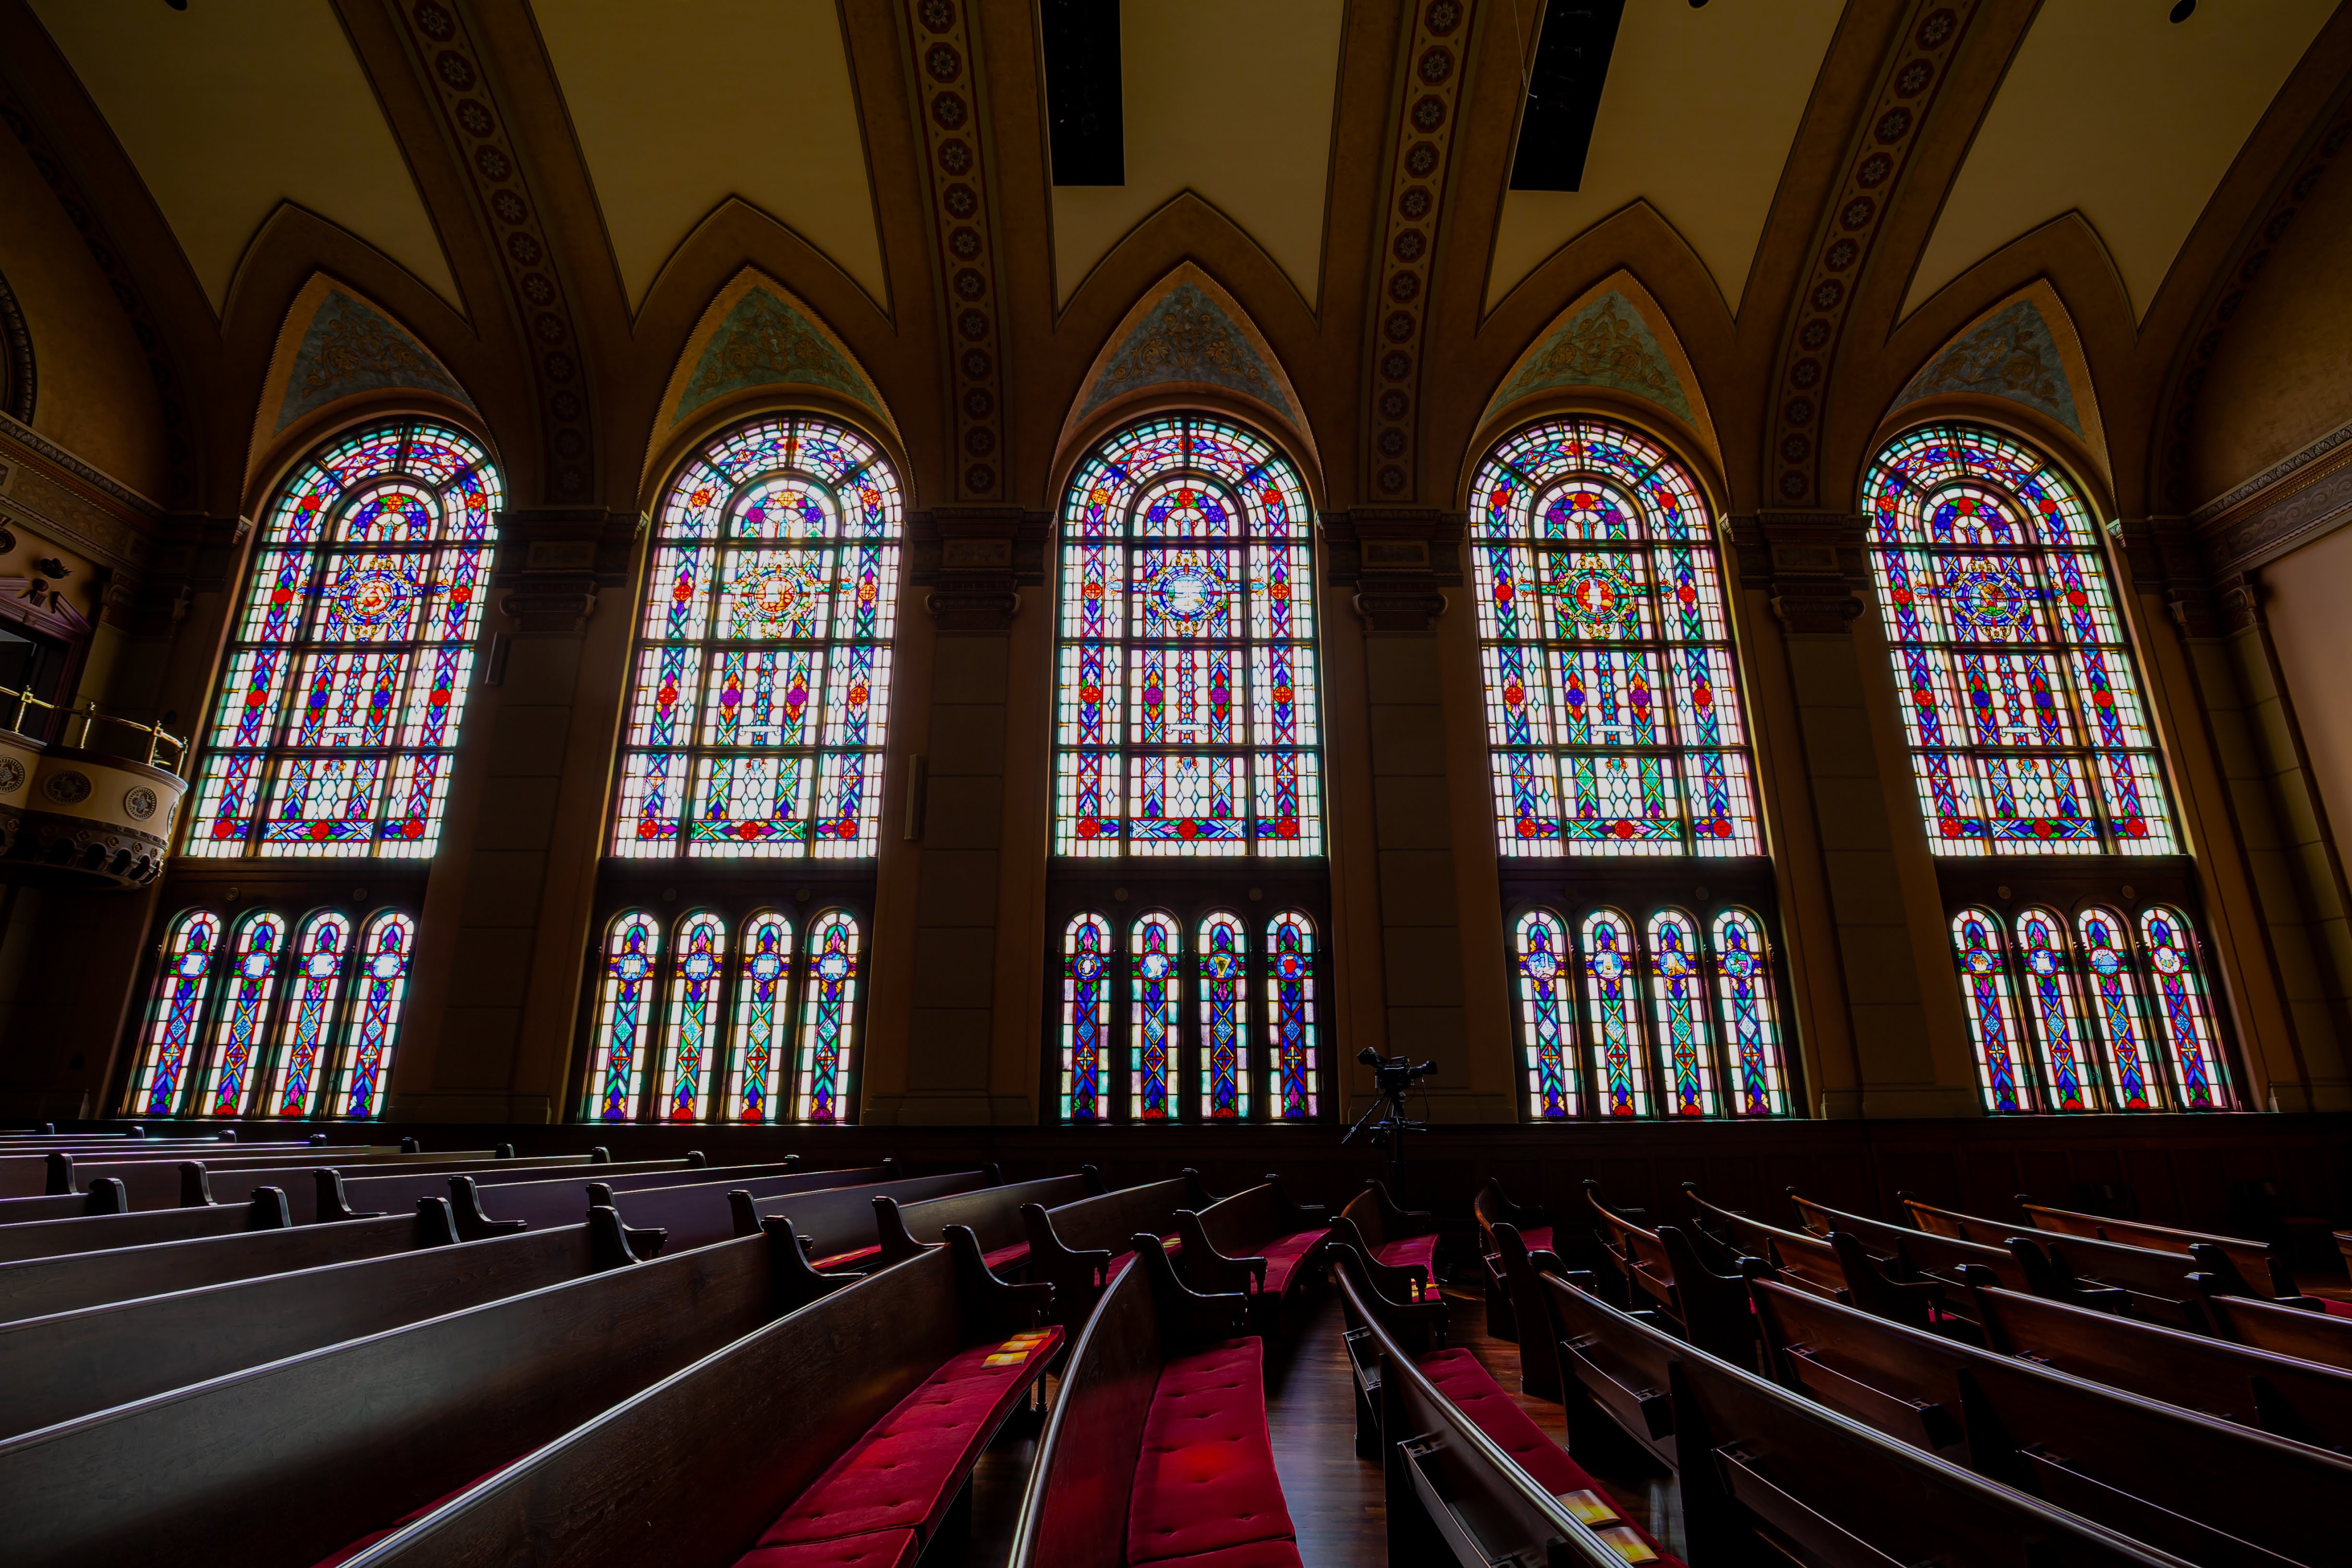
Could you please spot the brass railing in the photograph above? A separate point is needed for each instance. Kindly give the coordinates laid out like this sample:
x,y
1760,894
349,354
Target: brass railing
x,y
19,704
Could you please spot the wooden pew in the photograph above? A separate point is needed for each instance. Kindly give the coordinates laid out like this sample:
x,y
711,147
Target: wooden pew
x,y
292,1461
1634,1252
1540,1369
49,1170
38,1287
1467,1474
832,1220
1706,1307
160,1182
1400,1237
1491,1207
992,1214
53,1369
2298,1399
1778,1478
2306,1333
1078,1246
2203,1490
763,1428
1260,1242
265,1209
1611,1377
1961,1226
1156,1395
338,1195
1921,1252
2257,1261
2151,1286
486,1209
102,1199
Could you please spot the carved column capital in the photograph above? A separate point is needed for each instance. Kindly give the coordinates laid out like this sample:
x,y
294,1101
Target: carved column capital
x,y
975,560
1398,559
1810,562
551,562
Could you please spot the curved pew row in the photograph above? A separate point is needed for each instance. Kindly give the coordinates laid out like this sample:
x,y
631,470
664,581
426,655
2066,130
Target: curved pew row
x,y
1080,1247
844,1433
1157,1448
156,1181
2133,1465
1766,1475
1491,1207
992,1214
552,1198
1260,1242
78,1363
1837,1266
301,1459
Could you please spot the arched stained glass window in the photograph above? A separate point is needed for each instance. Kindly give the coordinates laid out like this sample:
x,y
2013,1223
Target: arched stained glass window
x,y
249,987
2021,694
763,1020
1225,992
2184,1020
1547,1017
1992,1010
2052,1002
828,1018
1613,1008
1613,696
182,984
1155,951
314,988
1678,994
1290,1014
379,991
347,669
1189,720
2118,1014
690,1040
624,1014
1751,1029
1085,1019
760,689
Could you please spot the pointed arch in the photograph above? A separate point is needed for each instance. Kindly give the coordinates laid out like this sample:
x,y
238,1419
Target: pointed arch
x,y
2021,352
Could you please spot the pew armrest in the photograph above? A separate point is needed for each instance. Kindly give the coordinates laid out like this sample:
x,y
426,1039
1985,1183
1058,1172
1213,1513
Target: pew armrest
x,y
435,1225
473,1225
990,1306
334,1203
1394,1280
794,1284
1295,1215
1050,1257
1188,1319
1396,1221
1210,1269
897,1243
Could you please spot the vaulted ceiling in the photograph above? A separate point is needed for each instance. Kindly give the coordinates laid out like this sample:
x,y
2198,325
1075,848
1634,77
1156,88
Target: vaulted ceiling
x,y
549,194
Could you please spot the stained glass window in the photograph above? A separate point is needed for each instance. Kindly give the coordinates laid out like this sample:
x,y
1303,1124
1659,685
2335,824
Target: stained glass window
x,y
1188,714
378,991
348,669
1992,1009
625,1015
1290,1014
1223,955
2051,1002
248,986
828,1003
691,1036
1614,714
760,689
763,1019
1085,1017
1676,1017
314,985
182,984
2184,1020
1155,952
2020,695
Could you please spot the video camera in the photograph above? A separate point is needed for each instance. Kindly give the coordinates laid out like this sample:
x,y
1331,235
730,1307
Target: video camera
x,y
1394,1075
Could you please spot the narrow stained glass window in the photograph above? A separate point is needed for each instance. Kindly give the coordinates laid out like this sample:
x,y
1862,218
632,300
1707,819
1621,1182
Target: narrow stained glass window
x,y
760,688
1614,1006
1992,1009
1751,1029
763,1018
347,672
1224,992
2119,1012
2184,1020
1678,994
625,1015
314,988
1290,1013
1612,697
828,1020
1548,1017
2021,694
2069,1078
182,983
1188,719
1085,1019
379,992
690,1043
249,987
1155,961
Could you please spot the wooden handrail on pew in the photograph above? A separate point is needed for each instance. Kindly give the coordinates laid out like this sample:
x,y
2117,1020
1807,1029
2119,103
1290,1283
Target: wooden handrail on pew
x,y
1961,1226
2154,1285
541,1196
2307,1333
2257,1261
161,1182
992,1214
1707,1307
53,1369
2301,1400
38,1287
833,1219
52,1171
264,1209
691,1208
1262,1242
1612,1378
1451,1488
289,1462
1075,1247
338,1192
2131,1464
751,1426
1921,1252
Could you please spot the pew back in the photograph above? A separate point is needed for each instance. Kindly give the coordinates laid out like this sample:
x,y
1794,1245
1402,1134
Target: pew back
x,y
696,1200
33,1287
833,1219
2256,1260
992,1214
1074,1513
2319,1337
64,1238
368,1191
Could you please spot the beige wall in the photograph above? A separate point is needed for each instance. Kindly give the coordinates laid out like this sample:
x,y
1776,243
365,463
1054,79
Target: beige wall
x,y
2308,601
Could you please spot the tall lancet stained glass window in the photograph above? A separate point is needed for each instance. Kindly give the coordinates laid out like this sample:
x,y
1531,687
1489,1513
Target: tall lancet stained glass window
x,y
1189,720
2020,695
1613,715
349,662
759,691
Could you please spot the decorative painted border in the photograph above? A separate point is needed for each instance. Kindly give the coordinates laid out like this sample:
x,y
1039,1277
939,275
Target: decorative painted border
x,y
1914,80
946,91
453,64
15,430
179,452
16,341
1426,119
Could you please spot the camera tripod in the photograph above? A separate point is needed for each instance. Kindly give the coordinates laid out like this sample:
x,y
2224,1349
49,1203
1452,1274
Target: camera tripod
x,y
1394,1083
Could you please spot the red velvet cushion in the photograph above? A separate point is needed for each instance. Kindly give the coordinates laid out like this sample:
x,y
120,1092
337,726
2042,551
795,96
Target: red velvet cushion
x,y
1282,1257
903,1473
1174,1246
2336,1309
1005,1258
1249,1554
1421,1250
843,1261
404,1521
1205,1481
882,1549
1539,1239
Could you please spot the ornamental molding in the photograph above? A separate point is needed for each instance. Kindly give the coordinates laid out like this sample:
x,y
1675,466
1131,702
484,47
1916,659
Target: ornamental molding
x,y
2285,507
947,96
1810,564
1428,95
975,560
1850,228
1398,559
